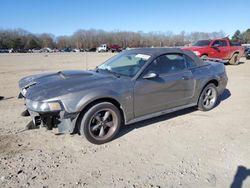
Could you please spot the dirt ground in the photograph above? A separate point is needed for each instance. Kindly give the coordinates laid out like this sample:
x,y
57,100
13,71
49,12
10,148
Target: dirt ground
x,y
183,149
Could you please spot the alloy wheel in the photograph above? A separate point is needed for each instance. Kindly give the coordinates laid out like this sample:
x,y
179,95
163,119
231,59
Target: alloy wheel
x,y
103,124
209,97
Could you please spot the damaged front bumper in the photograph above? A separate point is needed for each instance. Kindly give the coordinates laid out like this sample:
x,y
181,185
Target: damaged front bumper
x,y
50,115
64,123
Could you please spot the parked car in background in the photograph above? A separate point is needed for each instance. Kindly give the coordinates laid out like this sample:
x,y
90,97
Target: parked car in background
x,y
35,50
247,48
11,50
46,50
67,50
134,85
105,48
218,48
76,50
91,50
4,50
21,50
102,48
247,53
55,50
115,48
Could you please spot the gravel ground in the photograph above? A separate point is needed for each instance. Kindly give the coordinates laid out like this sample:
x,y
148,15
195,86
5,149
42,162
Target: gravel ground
x,y
182,149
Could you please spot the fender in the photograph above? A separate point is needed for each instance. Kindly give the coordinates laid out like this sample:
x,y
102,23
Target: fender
x,y
203,84
126,104
236,52
97,94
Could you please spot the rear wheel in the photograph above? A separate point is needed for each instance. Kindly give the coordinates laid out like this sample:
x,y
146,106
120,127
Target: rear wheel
x,y
101,123
208,98
234,59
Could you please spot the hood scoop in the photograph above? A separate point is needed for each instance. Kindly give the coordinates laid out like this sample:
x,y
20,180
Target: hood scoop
x,y
73,74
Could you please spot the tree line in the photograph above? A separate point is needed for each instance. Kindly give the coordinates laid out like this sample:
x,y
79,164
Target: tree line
x,y
22,39
242,37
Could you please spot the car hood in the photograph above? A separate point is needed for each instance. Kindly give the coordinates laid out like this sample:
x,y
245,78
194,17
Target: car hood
x,y
50,85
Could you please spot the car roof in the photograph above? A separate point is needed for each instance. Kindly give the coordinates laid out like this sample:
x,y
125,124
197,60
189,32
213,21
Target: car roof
x,y
155,51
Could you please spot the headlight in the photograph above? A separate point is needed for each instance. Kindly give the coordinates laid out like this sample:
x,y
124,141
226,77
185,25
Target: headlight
x,y
197,53
43,106
54,106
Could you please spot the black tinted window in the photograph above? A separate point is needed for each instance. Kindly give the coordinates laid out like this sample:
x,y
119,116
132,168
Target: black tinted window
x,y
217,42
201,43
223,43
220,43
169,63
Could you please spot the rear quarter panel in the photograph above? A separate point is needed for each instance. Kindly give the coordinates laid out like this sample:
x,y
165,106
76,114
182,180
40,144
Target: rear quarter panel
x,y
236,49
204,74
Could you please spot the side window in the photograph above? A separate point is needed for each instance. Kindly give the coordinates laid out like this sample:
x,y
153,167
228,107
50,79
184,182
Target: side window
x,y
223,43
217,42
166,64
190,62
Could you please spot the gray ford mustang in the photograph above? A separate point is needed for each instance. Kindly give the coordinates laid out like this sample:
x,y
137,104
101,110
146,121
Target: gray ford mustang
x,y
132,86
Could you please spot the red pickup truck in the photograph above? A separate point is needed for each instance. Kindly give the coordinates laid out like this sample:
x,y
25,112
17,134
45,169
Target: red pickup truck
x,y
218,48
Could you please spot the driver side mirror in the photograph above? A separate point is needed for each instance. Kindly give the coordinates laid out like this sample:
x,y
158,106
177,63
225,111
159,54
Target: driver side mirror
x,y
150,75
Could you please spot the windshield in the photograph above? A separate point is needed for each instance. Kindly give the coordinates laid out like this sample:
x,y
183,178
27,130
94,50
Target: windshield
x,y
125,64
201,43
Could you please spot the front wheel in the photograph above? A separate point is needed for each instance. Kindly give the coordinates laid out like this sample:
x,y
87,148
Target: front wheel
x,y
208,98
101,123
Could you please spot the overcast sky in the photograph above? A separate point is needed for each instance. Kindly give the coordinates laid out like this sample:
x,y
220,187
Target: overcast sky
x,y
63,17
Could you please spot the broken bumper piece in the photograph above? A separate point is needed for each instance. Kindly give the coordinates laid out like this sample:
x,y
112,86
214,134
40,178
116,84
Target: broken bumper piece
x,y
65,123
50,115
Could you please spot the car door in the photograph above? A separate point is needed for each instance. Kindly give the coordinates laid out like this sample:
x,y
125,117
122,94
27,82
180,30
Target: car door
x,y
225,49
171,86
219,49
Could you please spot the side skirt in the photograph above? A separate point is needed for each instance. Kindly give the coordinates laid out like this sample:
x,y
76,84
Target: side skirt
x,y
148,116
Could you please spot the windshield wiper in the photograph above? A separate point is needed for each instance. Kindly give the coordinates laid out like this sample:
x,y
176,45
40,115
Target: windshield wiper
x,y
114,73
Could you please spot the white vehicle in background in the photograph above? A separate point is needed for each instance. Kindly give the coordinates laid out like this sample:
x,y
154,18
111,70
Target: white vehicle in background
x,y
111,47
102,48
75,50
11,50
35,50
46,50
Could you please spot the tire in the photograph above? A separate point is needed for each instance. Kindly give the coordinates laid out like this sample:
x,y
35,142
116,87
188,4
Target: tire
x,y
208,98
204,56
101,123
234,59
